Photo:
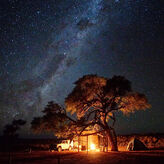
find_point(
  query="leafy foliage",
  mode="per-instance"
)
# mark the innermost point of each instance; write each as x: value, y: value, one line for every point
x: 54, y: 121
x: 133, y: 102
x: 85, y: 93
x: 104, y: 96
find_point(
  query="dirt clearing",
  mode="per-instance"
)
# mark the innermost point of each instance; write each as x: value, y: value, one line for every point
x: 45, y: 157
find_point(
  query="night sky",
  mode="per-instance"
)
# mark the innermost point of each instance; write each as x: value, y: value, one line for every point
x: 46, y: 45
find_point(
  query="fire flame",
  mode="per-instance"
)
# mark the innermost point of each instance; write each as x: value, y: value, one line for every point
x: 93, y: 147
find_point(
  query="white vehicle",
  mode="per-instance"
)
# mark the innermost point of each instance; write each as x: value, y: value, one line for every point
x: 65, y: 145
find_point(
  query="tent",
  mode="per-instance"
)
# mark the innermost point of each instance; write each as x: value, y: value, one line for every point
x: 136, y: 144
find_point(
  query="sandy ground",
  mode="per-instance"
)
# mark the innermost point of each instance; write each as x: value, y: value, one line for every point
x: 45, y: 157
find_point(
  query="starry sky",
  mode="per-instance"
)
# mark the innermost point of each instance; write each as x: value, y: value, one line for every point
x: 46, y: 45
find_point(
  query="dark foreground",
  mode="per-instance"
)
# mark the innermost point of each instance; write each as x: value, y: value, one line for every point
x: 45, y: 157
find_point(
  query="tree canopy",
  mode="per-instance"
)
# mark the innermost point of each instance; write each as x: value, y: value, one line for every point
x: 95, y: 99
x: 55, y: 120
x: 91, y: 93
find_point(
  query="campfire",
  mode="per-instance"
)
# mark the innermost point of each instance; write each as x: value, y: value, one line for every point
x: 93, y: 147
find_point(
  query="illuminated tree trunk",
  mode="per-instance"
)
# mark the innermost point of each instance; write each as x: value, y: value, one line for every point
x: 113, y: 139
x: 87, y: 144
x: 78, y: 142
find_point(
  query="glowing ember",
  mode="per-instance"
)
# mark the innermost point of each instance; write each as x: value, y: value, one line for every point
x: 93, y: 147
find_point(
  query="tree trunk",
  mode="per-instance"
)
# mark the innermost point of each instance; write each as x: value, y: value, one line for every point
x: 113, y: 139
x: 78, y: 142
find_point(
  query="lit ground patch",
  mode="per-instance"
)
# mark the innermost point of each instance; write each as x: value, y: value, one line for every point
x: 43, y: 157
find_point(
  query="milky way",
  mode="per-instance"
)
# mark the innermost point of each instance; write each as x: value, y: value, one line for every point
x: 47, y: 45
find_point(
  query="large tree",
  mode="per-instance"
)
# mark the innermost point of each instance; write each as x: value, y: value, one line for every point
x: 94, y: 100
x: 10, y: 134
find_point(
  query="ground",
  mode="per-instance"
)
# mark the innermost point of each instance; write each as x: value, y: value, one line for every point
x: 45, y: 157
